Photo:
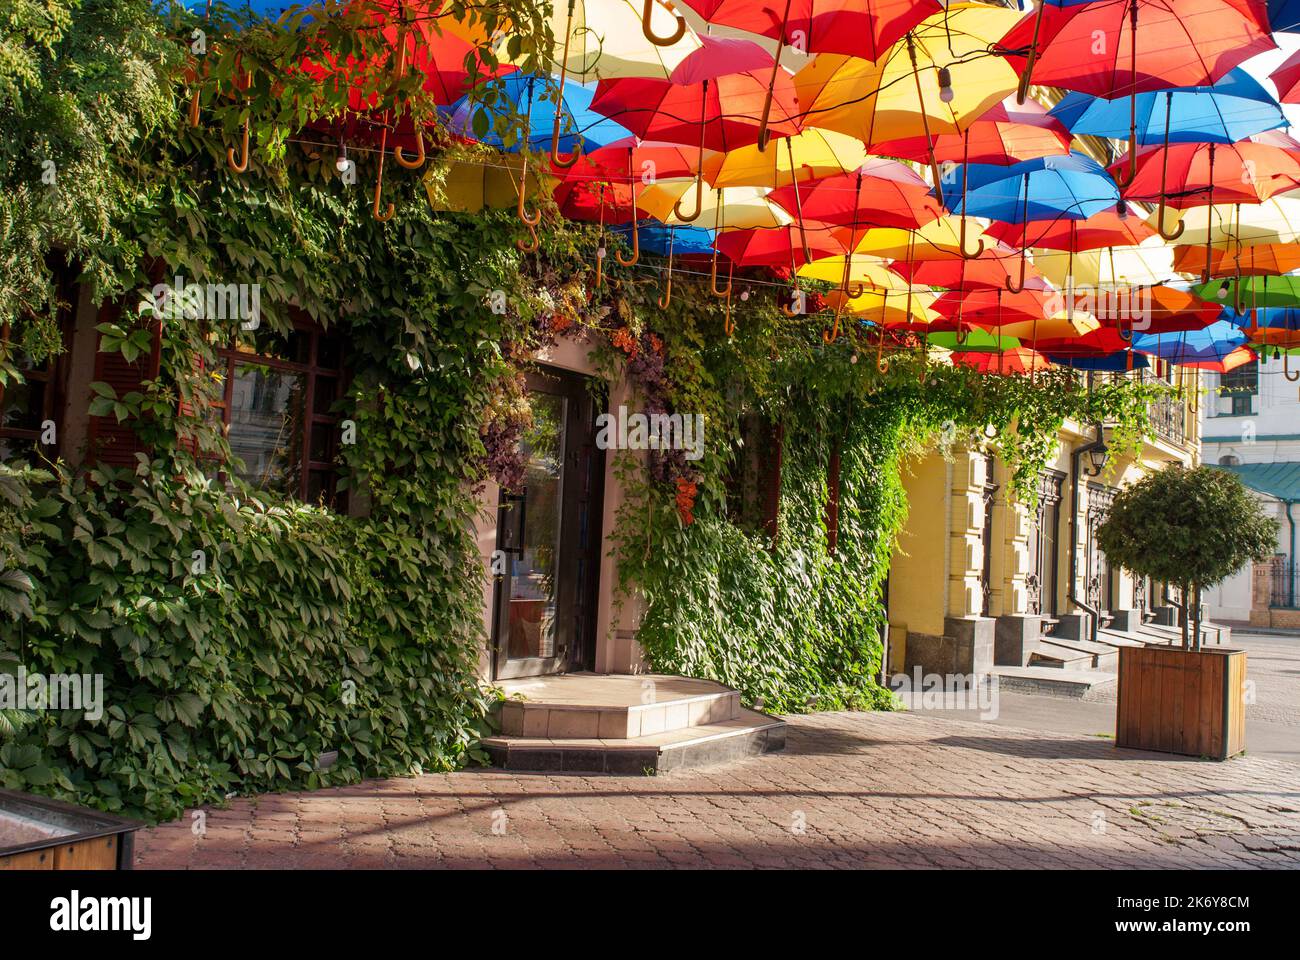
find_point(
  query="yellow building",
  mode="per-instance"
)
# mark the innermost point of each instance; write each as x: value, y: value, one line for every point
x: 981, y: 583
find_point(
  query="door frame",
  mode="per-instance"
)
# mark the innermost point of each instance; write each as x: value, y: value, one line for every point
x: 582, y: 485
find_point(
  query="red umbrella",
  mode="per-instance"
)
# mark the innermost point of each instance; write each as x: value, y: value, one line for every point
x: 1186, y: 175
x: 1287, y: 79
x: 991, y: 308
x: 1115, y: 49
x: 1158, y: 309
x: 1105, y: 229
x: 1100, y: 342
x: 630, y: 160
x: 1003, y: 134
x: 1017, y: 361
x: 1238, y: 358
x: 858, y: 28
x: 882, y: 193
x: 783, y: 246
x: 714, y: 99
x: 706, y: 100
x: 989, y: 270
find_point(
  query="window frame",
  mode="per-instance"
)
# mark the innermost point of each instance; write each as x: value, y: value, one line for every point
x: 231, y: 356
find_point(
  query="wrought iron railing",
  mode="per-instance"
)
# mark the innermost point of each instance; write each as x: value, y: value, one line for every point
x: 1169, y: 419
x: 1284, y: 585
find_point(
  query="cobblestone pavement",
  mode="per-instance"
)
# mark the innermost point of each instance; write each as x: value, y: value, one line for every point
x: 851, y: 790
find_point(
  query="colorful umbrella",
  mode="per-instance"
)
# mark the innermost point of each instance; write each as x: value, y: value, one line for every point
x: 1208, y: 343
x: 881, y: 192
x: 783, y: 246
x: 1287, y: 79
x: 936, y: 80
x: 1261, y: 260
x: 805, y: 156
x: 603, y: 38
x: 1019, y: 361
x: 1225, y: 112
x: 1004, y: 133
x: 1117, y: 362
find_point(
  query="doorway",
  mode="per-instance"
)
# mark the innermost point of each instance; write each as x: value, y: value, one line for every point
x: 549, y: 536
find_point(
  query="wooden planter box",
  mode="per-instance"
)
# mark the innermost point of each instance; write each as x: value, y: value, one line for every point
x: 1177, y: 701
x: 37, y: 833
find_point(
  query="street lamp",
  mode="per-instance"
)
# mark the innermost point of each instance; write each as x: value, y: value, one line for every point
x: 1097, y: 453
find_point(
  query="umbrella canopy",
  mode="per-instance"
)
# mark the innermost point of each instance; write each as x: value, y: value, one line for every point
x: 1209, y: 343
x: 1105, y: 228
x: 873, y: 275
x: 630, y: 160
x: 910, y: 310
x: 1263, y: 259
x: 596, y: 200
x: 1252, y: 291
x: 1059, y: 327
x: 1100, y: 342
x: 1151, y: 262
x: 992, y: 308
x: 470, y: 186
x: 1004, y: 133
x: 532, y: 97
x: 782, y: 246
x: 1019, y: 361
x: 1287, y: 79
x: 1284, y: 15
x: 1178, y: 43
x: 1237, y: 358
x: 856, y: 28
x: 732, y: 208
x: 937, y: 240
x: 991, y: 269
x: 1275, y: 221
x: 680, y: 240
x: 1192, y: 174
x: 1117, y: 362
x: 715, y: 98
x: 898, y: 95
x: 604, y: 38
x: 1156, y: 309
x: 1224, y: 112
x: 1073, y: 186
x: 972, y: 338
x: 805, y: 156
x: 881, y: 192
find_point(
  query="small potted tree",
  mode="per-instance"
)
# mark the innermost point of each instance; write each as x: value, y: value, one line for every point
x: 1191, y: 528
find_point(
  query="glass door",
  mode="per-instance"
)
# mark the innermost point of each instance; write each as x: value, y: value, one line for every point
x: 548, y: 535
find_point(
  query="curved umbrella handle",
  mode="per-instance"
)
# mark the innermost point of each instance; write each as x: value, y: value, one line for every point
x: 966, y: 254
x: 647, y: 28
x: 533, y: 243
x: 241, y: 165
x: 562, y: 162
x: 636, y: 246
x: 667, y: 296
x: 728, y: 324
x: 528, y: 219
x: 1160, y: 222
x: 1286, y: 367
x: 418, y: 161
x: 1013, y: 288
x: 833, y: 334
x: 881, y: 363
x: 713, y: 280
x: 1132, y: 98
x: 699, y: 203
x: 854, y: 290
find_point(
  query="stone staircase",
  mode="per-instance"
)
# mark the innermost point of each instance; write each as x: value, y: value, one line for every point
x: 623, y: 724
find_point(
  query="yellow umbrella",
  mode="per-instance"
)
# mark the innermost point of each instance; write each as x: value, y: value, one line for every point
x: 470, y: 186
x: 733, y: 208
x: 889, y: 307
x: 935, y: 80
x: 871, y: 274
x: 603, y: 39
x: 1152, y: 262
x: 1234, y: 226
x: 805, y: 156
x: 1058, y: 327
x: 937, y: 240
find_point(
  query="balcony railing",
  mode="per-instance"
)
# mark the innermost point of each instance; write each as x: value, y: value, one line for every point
x: 1282, y: 583
x: 1169, y: 419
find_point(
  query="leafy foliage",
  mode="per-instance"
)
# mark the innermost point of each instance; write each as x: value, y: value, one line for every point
x: 1193, y: 527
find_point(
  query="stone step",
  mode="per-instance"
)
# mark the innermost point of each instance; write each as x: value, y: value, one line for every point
x: 1120, y: 638
x: 1053, y: 653
x: 589, y: 706
x: 1075, y: 684
x: 747, y: 735
x: 1100, y: 656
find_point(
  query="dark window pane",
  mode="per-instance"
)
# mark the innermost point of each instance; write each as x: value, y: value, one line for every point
x: 319, y: 484
x: 266, y: 426
x: 23, y: 405
x: 329, y: 353
x: 326, y: 391
x: 322, y: 435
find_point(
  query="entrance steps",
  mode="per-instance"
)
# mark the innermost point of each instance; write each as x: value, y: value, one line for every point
x: 1064, y: 653
x: 1071, y: 682
x: 1154, y: 634
x: 626, y: 724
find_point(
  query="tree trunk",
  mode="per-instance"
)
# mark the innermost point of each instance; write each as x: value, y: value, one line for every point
x: 1196, y: 622
x: 1183, y: 590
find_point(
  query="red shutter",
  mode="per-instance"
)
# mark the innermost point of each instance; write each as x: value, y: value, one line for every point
x: 112, y: 443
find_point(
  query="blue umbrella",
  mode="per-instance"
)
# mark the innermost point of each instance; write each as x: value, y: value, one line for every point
x: 1192, y: 346
x: 1119, y: 361
x: 1232, y: 109
x: 683, y: 240
x: 1045, y: 188
x: 533, y: 96
x: 1072, y: 187
x: 268, y: 9
x: 1284, y: 15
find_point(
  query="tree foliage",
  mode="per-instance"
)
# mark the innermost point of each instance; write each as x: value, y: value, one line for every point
x: 1194, y: 527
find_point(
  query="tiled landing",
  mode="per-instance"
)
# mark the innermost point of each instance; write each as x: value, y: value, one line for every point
x: 631, y: 725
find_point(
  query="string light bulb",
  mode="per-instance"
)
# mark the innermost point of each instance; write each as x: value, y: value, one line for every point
x: 945, y: 85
